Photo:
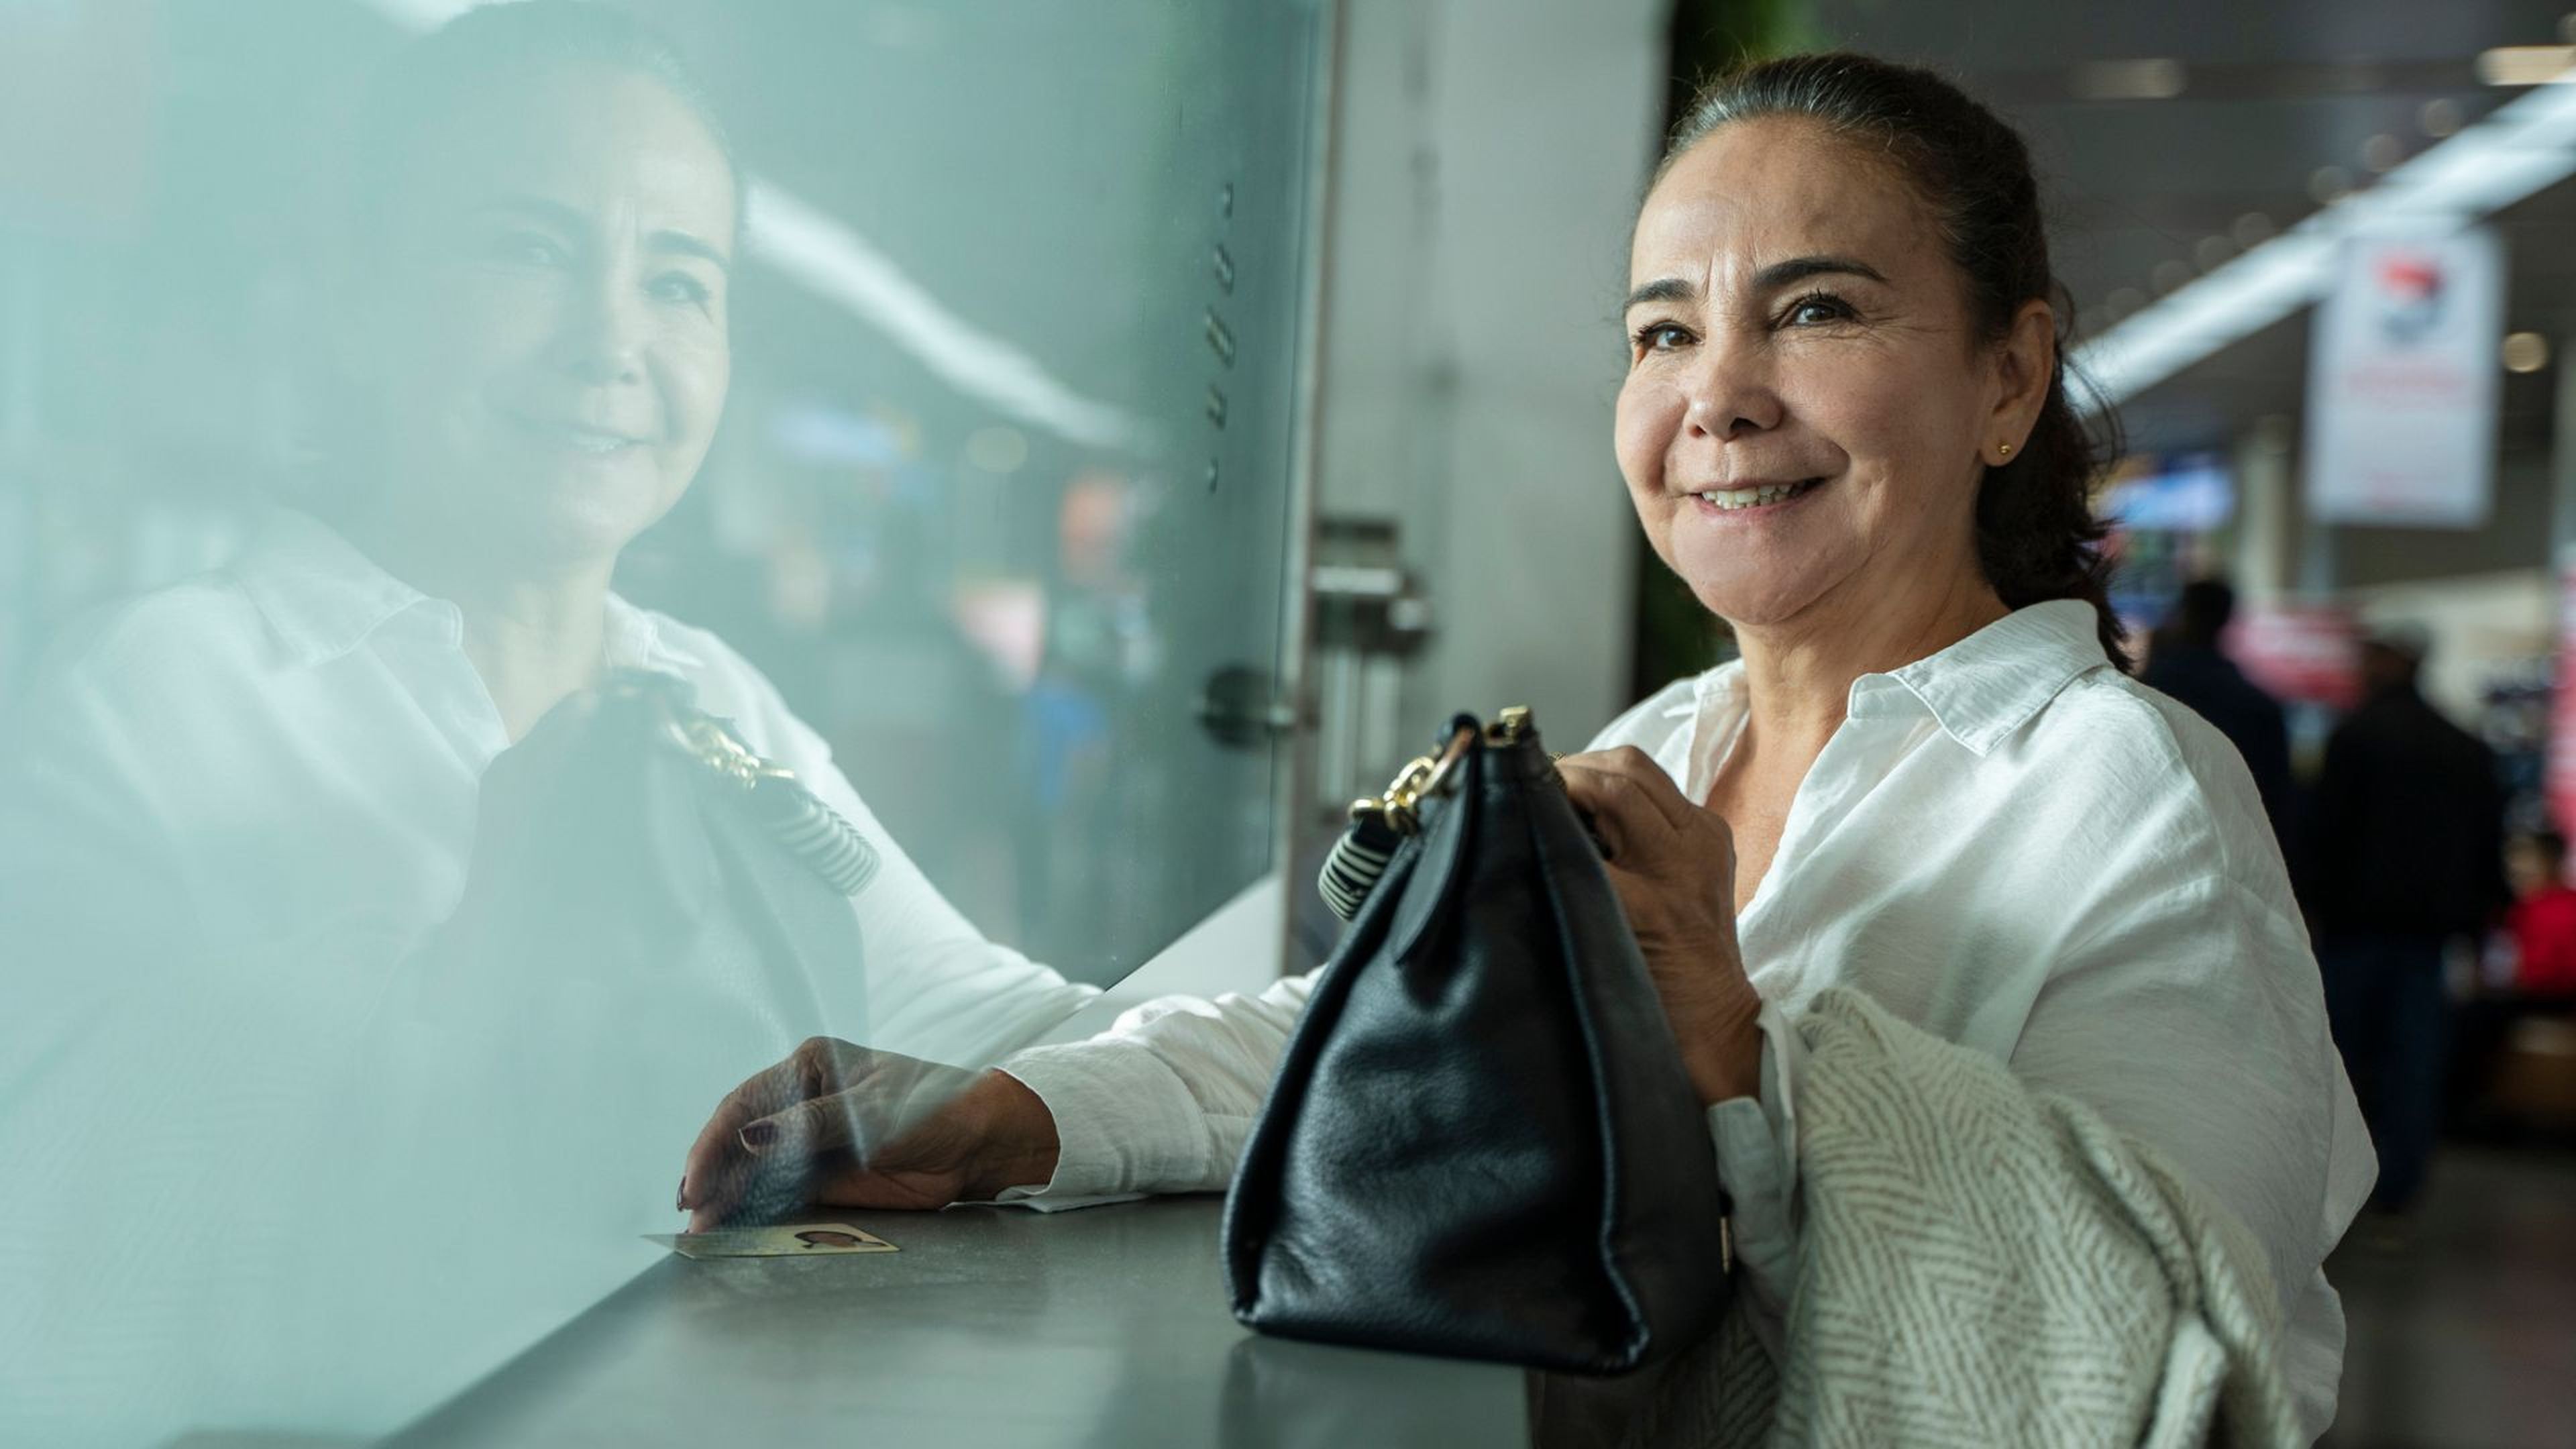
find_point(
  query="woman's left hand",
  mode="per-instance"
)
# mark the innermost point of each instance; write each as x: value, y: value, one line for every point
x: 1673, y: 864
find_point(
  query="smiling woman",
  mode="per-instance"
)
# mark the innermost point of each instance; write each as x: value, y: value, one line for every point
x: 539, y: 332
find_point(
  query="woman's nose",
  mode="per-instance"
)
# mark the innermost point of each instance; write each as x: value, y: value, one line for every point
x: 603, y: 338
x: 1732, y: 395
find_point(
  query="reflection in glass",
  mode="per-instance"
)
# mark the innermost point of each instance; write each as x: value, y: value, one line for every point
x: 390, y: 882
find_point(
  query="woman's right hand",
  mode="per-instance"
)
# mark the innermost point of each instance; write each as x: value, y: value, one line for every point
x: 840, y: 1125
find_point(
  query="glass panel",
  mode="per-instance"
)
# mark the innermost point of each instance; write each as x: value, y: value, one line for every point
x: 385, y: 421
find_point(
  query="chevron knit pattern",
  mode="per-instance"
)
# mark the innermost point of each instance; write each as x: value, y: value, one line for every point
x: 1980, y: 1265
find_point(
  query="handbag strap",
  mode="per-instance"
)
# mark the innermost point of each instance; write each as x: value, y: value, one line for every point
x: 1380, y: 823
x: 810, y: 831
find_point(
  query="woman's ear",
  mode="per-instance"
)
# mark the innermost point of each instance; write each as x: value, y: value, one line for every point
x: 2025, y: 365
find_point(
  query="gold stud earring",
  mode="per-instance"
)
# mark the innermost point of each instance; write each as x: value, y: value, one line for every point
x: 2003, y: 450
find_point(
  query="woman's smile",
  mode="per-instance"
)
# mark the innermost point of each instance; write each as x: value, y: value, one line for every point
x: 582, y: 441
x: 1747, y: 500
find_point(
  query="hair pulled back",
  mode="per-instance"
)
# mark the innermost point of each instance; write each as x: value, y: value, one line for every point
x: 490, y: 50
x: 2037, y: 538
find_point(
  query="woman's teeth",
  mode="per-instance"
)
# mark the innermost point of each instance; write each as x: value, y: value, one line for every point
x: 581, y: 439
x: 587, y: 441
x: 1727, y: 499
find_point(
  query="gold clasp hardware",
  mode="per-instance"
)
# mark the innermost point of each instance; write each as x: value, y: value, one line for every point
x: 718, y: 750
x: 1401, y: 805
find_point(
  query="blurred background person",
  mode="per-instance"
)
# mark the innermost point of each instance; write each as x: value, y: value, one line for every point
x: 2407, y: 854
x: 2186, y: 661
x: 2532, y: 974
x: 2542, y: 921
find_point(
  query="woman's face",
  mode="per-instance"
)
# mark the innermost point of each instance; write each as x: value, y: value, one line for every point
x: 546, y: 335
x: 1807, y: 411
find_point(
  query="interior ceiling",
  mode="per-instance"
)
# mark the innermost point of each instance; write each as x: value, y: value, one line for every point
x: 2273, y: 90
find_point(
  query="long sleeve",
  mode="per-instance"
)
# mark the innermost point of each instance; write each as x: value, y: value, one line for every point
x: 938, y: 988
x: 1978, y: 1261
x: 2193, y: 1024
x: 1757, y: 1160
x: 935, y: 987
x: 1164, y: 1100
x: 2190, y: 1024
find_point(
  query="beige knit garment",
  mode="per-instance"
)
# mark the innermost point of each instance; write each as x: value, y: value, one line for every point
x: 1979, y: 1265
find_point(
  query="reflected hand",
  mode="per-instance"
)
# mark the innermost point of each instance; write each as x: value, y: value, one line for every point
x: 1673, y: 865
x: 839, y: 1125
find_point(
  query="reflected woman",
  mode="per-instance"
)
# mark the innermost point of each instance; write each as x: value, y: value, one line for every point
x: 240, y: 806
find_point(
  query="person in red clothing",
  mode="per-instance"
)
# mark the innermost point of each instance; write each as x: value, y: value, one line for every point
x: 2542, y: 921
x: 2540, y: 929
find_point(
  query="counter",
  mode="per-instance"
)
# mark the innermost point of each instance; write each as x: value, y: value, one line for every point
x: 1105, y: 1327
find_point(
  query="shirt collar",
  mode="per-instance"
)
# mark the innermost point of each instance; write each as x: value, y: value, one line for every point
x: 1989, y: 684
x: 1978, y: 690
x: 637, y: 640
x: 319, y: 594
x: 323, y: 597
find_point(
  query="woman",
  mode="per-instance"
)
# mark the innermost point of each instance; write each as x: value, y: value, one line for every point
x: 239, y: 811
x: 1845, y: 423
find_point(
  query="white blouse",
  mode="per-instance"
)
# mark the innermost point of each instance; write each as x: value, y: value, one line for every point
x: 280, y: 761
x: 2009, y: 844
x: 274, y: 1168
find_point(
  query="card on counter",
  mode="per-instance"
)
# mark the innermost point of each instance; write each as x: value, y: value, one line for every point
x: 783, y: 1240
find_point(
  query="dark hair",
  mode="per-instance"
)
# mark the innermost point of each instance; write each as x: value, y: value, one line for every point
x: 2202, y: 609
x: 2551, y: 844
x: 2037, y: 537
x: 432, y: 79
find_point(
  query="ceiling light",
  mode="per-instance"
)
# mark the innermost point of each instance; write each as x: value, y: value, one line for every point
x: 2127, y: 80
x: 827, y: 256
x: 2525, y: 352
x: 2328, y: 184
x: 2212, y: 252
x: 2525, y: 65
x: 2383, y: 152
x: 2252, y: 229
x: 2523, y: 147
x: 2169, y: 276
x: 2440, y: 117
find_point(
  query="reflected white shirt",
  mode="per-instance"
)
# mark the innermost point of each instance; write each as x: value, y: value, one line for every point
x: 256, y: 1183
x: 288, y: 750
x: 2009, y: 844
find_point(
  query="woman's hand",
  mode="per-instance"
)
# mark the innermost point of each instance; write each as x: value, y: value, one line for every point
x: 1673, y: 864
x: 838, y: 1125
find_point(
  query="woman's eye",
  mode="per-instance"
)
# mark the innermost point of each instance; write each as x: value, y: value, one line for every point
x: 681, y: 288
x: 529, y: 248
x: 1817, y: 310
x: 1661, y: 337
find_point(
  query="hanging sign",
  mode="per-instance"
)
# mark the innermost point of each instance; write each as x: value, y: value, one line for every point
x: 2402, y: 377
x: 2559, y: 765
x: 2308, y: 652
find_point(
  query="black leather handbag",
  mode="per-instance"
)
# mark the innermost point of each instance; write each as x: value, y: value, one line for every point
x: 1481, y: 1141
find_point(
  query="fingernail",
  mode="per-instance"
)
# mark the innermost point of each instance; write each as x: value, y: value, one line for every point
x: 680, y: 1200
x: 758, y: 1135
